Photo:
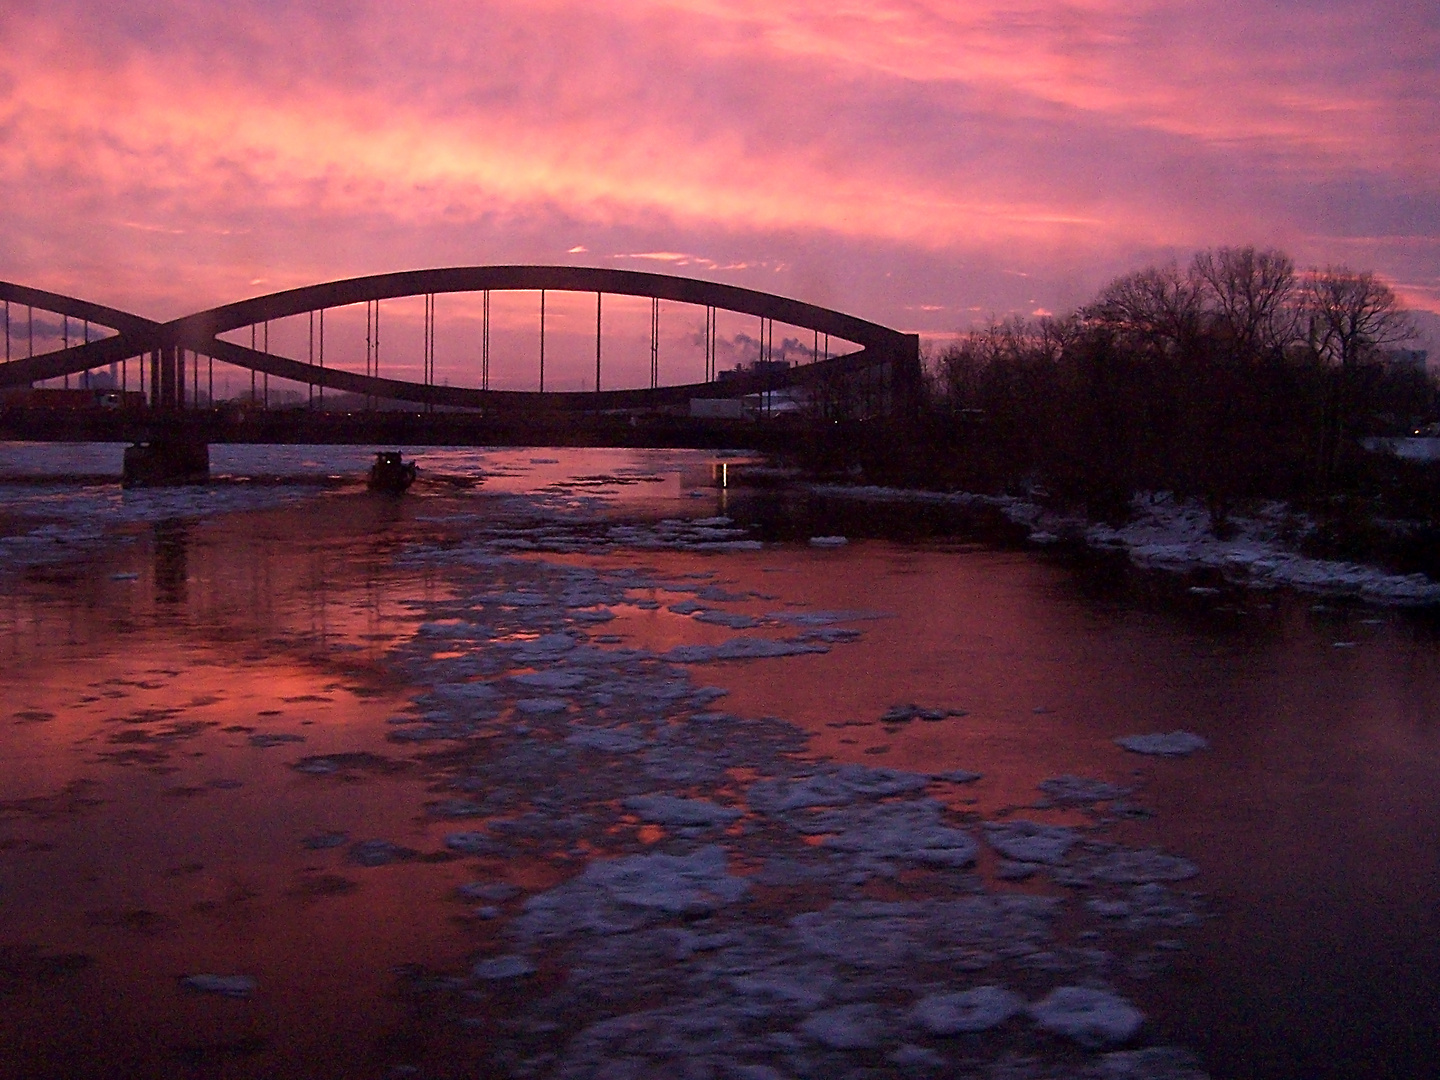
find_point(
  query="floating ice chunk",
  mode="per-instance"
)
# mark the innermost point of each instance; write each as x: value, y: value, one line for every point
x: 835, y: 787
x: 324, y: 841
x: 878, y: 783
x: 235, y: 986
x: 803, y: 987
x: 1151, y: 1063
x: 959, y: 776
x: 606, y: 739
x: 523, y: 599
x: 544, y: 461
x: 974, y: 1010
x: 712, y: 718
x: 376, y: 853
x: 1142, y: 865
x: 846, y: 1027
x: 1147, y: 905
x: 621, y: 895
x: 454, y: 808
x: 454, y: 629
x: 903, y: 714
x: 825, y: 618
x: 471, y: 843
x: 1173, y: 744
x: 674, y: 884
x: 680, y: 813
x: 1077, y: 790
x: 125, y: 576
x: 741, y: 648
x: 551, y: 680
x: 265, y: 739
x: 828, y: 541
x: 545, y: 647
x: 734, y: 620
x: 541, y: 706
x: 1029, y: 841
x: 1090, y: 1017
x: 465, y: 692
x: 510, y: 966
x: 912, y: 831
x: 724, y: 545
x: 687, y: 607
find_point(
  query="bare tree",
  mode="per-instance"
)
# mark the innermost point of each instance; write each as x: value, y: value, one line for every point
x: 1159, y: 306
x: 1249, y: 296
x: 1350, y: 316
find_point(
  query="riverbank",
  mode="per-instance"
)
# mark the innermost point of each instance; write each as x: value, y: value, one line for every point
x: 1259, y: 552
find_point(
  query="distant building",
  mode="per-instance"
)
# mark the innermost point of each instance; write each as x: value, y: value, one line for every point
x: 755, y: 367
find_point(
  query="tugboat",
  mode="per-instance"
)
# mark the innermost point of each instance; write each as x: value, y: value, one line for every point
x: 391, y: 475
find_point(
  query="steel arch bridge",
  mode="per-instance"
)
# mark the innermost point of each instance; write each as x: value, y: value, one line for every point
x: 887, y: 361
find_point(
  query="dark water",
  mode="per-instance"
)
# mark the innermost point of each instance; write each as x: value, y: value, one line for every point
x: 145, y: 833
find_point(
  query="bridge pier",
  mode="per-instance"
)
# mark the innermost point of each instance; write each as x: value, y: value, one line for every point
x: 168, y: 458
x: 172, y: 454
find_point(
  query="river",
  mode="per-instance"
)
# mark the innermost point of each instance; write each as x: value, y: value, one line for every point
x: 571, y: 763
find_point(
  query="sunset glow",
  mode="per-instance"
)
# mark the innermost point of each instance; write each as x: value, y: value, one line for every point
x: 918, y: 163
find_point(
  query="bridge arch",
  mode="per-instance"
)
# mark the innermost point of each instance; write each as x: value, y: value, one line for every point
x: 135, y: 335
x: 882, y: 349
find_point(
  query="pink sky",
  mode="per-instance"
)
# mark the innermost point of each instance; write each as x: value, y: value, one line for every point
x: 918, y: 163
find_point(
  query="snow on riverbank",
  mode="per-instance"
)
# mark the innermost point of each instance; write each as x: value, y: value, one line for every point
x: 1170, y: 534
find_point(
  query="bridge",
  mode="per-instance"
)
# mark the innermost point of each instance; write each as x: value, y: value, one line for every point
x: 886, y: 358
x: 864, y: 369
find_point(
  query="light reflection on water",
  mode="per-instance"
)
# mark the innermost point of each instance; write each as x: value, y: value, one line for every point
x: 126, y: 834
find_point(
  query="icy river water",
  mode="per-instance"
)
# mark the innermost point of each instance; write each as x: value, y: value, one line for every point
x: 572, y: 764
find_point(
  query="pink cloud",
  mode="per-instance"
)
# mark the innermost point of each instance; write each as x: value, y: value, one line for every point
x: 172, y: 154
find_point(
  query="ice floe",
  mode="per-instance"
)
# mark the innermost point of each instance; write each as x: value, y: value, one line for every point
x: 1078, y: 791
x: 1089, y: 1016
x: 511, y: 966
x: 613, y: 895
x: 741, y: 648
x: 680, y: 813
x: 861, y: 1026
x: 1029, y: 841
x: 966, y: 1011
x: 664, y: 949
x: 905, y: 831
x: 1164, y: 744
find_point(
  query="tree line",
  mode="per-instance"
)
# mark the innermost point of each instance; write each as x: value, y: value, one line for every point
x: 1234, y: 377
